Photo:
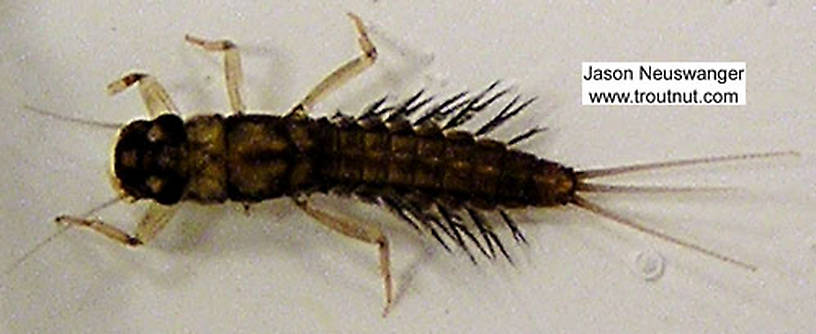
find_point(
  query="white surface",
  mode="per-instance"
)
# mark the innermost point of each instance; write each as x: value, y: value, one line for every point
x: 215, y: 270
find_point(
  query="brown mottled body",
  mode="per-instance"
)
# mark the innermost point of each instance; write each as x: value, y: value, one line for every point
x: 251, y: 158
x: 409, y: 157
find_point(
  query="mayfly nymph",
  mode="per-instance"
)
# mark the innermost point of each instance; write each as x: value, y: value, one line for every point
x: 409, y: 157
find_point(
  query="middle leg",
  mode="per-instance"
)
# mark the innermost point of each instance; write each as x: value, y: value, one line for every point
x: 233, y: 74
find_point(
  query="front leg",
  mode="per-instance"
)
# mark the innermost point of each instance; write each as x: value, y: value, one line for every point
x: 154, y: 220
x: 155, y: 97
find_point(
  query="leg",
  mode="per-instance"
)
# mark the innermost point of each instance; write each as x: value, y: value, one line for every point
x: 153, y: 94
x: 232, y: 67
x: 153, y: 221
x: 344, y: 73
x: 365, y: 233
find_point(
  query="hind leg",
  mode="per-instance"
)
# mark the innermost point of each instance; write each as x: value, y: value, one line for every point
x: 363, y: 232
x: 342, y: 74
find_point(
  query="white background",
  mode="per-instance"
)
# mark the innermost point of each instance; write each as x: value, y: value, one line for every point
x: 216, y: 270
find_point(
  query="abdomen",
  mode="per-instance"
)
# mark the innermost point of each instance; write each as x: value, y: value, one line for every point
x: 396, y: 157
x: 266, y: 157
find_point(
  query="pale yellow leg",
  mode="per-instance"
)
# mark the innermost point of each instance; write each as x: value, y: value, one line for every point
x: 154, y: 220
x: 363, y: 232
x: 342, y: 74
x: 155, y: 98
x: 233, y: 74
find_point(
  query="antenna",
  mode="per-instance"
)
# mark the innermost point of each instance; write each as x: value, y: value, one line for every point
x: 73, y: 119
x: 56, y: 234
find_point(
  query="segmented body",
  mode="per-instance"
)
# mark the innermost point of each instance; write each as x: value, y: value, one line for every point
x: 409, y: 157
x: 379, y: 156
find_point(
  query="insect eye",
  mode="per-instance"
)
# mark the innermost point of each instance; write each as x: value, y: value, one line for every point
x: 166, y: 128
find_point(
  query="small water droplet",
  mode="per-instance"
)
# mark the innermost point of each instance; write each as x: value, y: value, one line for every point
x: 650, y: 265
